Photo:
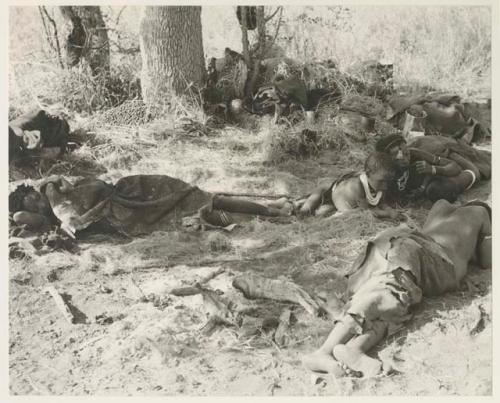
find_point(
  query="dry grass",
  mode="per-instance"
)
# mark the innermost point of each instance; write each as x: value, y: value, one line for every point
x: 162, y: 346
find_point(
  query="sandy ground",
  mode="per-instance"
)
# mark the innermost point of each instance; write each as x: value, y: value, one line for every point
x: 135, y: 339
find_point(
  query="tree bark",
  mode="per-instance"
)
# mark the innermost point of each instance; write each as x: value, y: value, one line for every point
x: 88, y: 37
x: 172, y: 52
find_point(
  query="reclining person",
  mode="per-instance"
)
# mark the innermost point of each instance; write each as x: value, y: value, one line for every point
x: 420, y: 173
x: 37, y: 133
x: 445, y: 114
x: 397, y: 269
x: 358, y: 189
x: 137, y: 204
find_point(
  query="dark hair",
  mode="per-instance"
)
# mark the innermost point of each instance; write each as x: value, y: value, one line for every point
x: 16, y: 198
x: 378, y: 160
x: 442, y: 188
x: 387, y: 142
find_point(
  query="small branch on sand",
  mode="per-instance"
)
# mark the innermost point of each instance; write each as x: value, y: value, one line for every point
x: 60, y: 303
x: 196, y: 289
x: 253, y: 286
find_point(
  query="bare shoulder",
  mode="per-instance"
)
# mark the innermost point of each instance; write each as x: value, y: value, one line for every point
x: 473, y: 213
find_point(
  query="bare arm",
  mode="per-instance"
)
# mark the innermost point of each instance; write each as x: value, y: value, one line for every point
x: 443, y: 166
x: 381, y: 210
x: 484, y: 245
x: 465, y: 163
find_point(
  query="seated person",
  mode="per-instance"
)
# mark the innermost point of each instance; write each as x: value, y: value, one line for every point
x: 37, y: 134
x: 358, y: 189
x: 396, y: 270
x: 137, y: 204
x: 420, y: 173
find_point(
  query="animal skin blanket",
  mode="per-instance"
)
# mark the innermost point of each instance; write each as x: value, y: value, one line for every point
x: 446, y: 115
x: 135, y: 205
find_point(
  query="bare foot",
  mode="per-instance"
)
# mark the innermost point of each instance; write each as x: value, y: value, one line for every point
x: 322, y: 362
x: 357, y: 360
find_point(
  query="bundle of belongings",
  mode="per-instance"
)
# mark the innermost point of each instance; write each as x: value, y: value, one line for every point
x: 443, y: 114
x: 280, y: 94
x: 35, y: 137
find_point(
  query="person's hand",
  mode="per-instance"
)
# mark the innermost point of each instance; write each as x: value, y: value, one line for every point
x: 395, y: 214
x: 423, y: 167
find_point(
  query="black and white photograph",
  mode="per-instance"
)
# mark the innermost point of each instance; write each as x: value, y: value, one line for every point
x: 249, y: 200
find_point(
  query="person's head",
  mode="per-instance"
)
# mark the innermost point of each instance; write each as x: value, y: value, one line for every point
x: 380, y: 170
x: 394, y: 145
x: 31, y: 139
x: 26, y: 198
x: 442, y: 188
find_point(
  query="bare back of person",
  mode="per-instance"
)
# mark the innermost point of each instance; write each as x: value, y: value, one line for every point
x: 457, y: 229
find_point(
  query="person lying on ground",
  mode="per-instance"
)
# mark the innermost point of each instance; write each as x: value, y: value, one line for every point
x: 37, y: 134
x: 137, y: 204
x: 447, y: 147
x: 445, y: 114
x: 395, y: 271
x: 420, y: 173
x: 354, y: 190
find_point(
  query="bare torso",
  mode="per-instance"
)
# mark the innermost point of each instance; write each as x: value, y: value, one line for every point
x: 457, y: 230
x: 347, y: 194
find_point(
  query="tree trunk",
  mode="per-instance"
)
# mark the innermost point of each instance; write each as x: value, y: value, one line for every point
x: 88, y: 37
x: 172, y: 52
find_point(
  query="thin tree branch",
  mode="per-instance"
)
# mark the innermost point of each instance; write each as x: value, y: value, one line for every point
x: 278, y: 25
x: 117, y: 20
x: 244, y: 35
x: 56, y: 37
x: 47, y: 33
x: 273, y: 14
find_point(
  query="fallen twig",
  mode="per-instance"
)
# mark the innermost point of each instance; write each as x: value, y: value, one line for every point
x: 195, y: 289
x: 254, y: 286
x: 60, y: 303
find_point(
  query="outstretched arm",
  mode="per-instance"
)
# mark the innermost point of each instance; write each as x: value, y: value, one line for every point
x: 381, y: 210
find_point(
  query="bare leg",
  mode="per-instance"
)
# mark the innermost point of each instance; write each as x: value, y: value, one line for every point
x: 353, y: 354
x: 237, y: 205
x: 322, y: 359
